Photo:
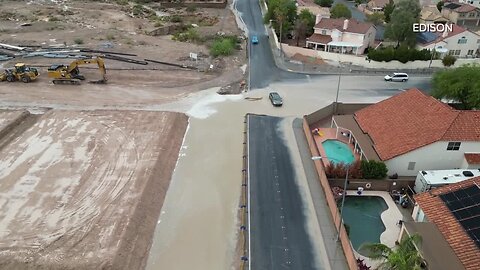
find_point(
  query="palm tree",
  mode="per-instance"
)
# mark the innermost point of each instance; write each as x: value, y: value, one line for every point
x: 404, y: 256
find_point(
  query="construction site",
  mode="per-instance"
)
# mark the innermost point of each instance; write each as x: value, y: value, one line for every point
x: 146, y: 48
x: 85, y: 163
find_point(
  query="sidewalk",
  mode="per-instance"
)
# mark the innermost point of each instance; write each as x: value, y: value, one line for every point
x: 334, y: 250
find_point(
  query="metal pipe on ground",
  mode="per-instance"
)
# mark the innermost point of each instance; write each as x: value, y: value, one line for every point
x: 124, y: 59
x: 170, y: 64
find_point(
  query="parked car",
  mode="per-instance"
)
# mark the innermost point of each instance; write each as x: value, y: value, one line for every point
x: 254, y: 40
x: 275, y: 99
x: 397, y: 77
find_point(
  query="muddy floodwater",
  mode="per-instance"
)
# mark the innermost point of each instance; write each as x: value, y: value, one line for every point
x: 198, y: 225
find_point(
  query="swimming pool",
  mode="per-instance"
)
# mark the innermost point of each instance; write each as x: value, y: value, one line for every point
x: 362, y: 215
x: 338, y: 152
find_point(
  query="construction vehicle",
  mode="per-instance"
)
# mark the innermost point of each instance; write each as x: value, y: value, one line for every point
x: 70, y: 74
x: 21, y: 72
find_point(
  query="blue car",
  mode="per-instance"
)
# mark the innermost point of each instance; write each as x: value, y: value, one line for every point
x: 254, y: 40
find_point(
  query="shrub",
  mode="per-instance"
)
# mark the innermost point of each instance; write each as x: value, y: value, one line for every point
x: 122, y: 2
x: 449, y: 60
x: 191, y: 9
x: 402, y: 54
x: 324, y: 3
x: 78, y: 41
x: 110, y: 36
x: 373, y: 169
x: 176, y: 19
x: 339, y: 170
x: 223, y: 46
x: 189, y: 35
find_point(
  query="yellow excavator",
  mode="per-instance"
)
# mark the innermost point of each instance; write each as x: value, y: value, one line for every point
x: 62, y: 74
x: 21, y: 72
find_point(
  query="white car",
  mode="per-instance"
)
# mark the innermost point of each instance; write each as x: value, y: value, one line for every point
x: 397, y: 77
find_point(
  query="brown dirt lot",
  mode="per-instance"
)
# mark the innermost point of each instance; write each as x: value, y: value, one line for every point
x: 98, y: 24
x: 83, y: 189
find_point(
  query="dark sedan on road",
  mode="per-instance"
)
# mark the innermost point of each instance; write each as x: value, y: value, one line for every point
x: 275, y: 99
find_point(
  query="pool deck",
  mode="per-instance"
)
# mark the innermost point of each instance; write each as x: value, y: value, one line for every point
x: 390, y: 218
x: 330, y: 134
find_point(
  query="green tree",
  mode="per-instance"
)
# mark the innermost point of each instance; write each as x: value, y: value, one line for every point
x: 405, y: 14
x: 375, y: 18
x: 281, y: 13
x: 388, y: 9
x: 402, y: 257
x: 304, y: 25
x: 324, y: 3
x: 440, y: 5
x: 460, y: 84
x: 340, y: 11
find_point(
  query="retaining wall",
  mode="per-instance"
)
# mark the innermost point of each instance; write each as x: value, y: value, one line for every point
x: 383, y: 185
x: 361, y: 60
x: 198, y: 4
x: 327, y: 111
x: 345, y: 241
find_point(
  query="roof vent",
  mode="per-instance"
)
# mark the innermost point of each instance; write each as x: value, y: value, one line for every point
x: 467, y: 173
x: 445, y: 178
x: 424, y: 173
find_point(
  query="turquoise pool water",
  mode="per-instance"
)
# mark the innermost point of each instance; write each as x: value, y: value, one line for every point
x: 362, y: 215
x: 338, y: 152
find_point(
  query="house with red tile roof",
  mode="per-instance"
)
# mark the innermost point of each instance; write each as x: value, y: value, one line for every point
x: 412, y: 132
x: 448, y: 220
x: 460, y: 42
x: 341, y: 35
x: 464, y: 15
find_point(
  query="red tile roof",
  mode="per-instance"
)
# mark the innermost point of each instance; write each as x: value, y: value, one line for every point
x: 465, y: 8
x: 437, y: 213
x: 472, y: 158
x: 411, y: 120
x: 318, y: 38
x: 354, y: 26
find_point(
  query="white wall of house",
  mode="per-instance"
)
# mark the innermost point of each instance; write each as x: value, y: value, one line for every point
x: 367, y: 39
x: 418, y: 215
x: 469, y: 166
x: 431, y: 157
x: 475, y: 3
x: 468, y: 46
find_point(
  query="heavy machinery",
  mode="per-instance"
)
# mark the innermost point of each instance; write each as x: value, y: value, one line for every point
x: 70, y: 74
x: 21, y: 72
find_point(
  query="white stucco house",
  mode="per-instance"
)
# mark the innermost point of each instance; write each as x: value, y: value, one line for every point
x: 460, y: 42
x: 475, y: 3
x: 341, y: 36
x: 412, y: 131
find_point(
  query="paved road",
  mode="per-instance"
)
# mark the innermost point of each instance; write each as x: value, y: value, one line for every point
x: 263, y: 69
x: 279, y: 238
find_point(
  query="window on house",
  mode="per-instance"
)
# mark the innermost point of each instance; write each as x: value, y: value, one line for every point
x: 470, y: 52
x: 463, y: 40
x: 451, y: 52
x: 472, y: 14
x: 478, y: 41
x: 324, y: 32
x: 457, y: 52
x: 411, y: 166
x: 453, y: 146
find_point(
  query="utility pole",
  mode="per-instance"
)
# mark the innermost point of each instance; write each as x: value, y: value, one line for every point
x: 433, y: 53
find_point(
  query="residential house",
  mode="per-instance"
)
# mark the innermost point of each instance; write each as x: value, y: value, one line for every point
x: 411, y: 132
x: 460, y: 42
x: 462, y: 14
x: 431, y: 15
x: 377, y: 5
x: 475, y: 3
x: 448, y: 221
x: 341, y: 35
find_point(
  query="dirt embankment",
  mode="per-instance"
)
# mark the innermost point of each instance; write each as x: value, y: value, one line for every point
x: 83, y: 189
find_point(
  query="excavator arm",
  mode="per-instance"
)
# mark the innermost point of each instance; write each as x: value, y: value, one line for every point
x: 71, y: 75
x: 73, y: 67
